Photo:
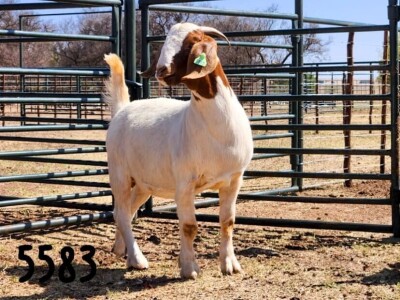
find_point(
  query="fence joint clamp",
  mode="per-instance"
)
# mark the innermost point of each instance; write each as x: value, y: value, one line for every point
x: 393, y: 12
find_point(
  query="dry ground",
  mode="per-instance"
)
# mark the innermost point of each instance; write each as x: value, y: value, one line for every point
x: 278, y: 263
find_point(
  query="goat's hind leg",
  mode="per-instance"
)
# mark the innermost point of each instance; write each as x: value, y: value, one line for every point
x: 127, y: 202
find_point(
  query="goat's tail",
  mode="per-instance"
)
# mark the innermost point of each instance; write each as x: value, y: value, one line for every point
x: 116, y: 92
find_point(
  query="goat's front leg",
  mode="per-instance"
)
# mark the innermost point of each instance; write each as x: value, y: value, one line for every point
x: 228, y: 262
x: 187, y: 231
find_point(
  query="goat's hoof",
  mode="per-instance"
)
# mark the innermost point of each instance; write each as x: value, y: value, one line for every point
x: 190, y: 271
x: 138, y: 263
x: 119, y: 249
x: 230, y: 265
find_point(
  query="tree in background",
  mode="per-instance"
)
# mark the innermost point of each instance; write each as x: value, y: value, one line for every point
x: 84, y: 53
x: 35, y: 53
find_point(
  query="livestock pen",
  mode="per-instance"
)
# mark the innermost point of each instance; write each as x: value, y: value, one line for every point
x: 293, y: 151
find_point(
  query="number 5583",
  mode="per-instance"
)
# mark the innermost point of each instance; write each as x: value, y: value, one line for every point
x: 66, y: 272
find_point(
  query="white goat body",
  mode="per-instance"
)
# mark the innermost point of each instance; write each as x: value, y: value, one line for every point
x: 162, y: 141
x: 176, y: 149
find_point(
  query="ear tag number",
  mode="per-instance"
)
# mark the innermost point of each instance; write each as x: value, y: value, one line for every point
x: 201, y: 60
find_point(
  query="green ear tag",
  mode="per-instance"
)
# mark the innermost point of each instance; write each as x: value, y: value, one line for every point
x: 201, y: 60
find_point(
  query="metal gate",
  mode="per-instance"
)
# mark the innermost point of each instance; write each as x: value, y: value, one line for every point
x: 61, y: 101
x: 278, y: 100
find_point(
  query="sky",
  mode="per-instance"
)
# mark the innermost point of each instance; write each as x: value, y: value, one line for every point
x: 367, y: 46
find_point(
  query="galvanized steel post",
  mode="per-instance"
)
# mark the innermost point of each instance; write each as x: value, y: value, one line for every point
x: 130, y: 46
x: 145, y: 63
x: 393, y: 14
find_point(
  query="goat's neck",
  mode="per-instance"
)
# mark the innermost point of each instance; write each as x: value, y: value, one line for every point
x: 206, y: 88
x: 214, y: 104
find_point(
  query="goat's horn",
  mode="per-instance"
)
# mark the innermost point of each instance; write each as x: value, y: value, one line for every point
x: 214, y: 32
x: 151, y: 71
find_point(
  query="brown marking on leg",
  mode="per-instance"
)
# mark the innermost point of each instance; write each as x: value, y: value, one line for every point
x: 189, y: 230
x: 132, y: 182
x: 227, y: 227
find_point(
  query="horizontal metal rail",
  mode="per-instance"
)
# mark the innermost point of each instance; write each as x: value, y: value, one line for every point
x: 299, y: 199
x: 90, y: 183
x: 63, y: 221
x: 308, y: 224
x: 56, y: 36
x: 271, y: 76
x: 151, y: 2
x: 59, y: 4
x: 304, y: 31
x: 55, y: 71
x: 80, y: 205
x: 52, y: 152
x: 271, y: 117
x: 271, y: 136
x: 361, y: 127
x: 92, y: 2
x: 29, y: 177
x: 53, y: 120
x: 50, y: 95
x: 314, y: 97
x: 59, y: 161
x: 318, y: 175
x: 53, y: 198
x: 264, y: 156
x: 49, y: 99
x: 308, y: 69
x: 53, y: 127
x: 324, y: 151
x: 51, y: 140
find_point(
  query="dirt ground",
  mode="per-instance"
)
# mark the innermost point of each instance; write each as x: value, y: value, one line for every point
x: 278, y: 263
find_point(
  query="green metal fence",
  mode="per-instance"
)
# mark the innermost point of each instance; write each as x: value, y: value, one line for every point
x: 294, y: 128
x: 280, y: 120
x: 71, y: 178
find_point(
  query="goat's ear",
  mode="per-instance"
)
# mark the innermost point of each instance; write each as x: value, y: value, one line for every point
x: 194, y: 69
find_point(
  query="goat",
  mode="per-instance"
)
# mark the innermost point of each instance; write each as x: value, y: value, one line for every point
x: 177, y: 149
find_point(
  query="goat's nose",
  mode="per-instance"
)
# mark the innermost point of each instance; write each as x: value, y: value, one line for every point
x: 162, y: 72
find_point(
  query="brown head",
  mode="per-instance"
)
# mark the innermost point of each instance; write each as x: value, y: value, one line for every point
x: 189, y: 53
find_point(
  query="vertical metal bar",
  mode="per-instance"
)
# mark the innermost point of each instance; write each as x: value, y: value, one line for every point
x: 144, y: 65
x: 393, y: 13
x: 300, y: 50
x: 317, y: 101
x: 384, y: 76
x: 116, y: 29
x: 21, y: 49
x: 130, y: 45
x: 145, y: 49
x: 78, y: 106
x: 21, y: 78
x: 295, y: 106
x: 292, y: 104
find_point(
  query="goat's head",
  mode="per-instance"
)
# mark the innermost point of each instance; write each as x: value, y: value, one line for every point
x: 185, y: 43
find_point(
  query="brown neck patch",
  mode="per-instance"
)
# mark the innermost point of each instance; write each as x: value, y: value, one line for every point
x: 206, y: 87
